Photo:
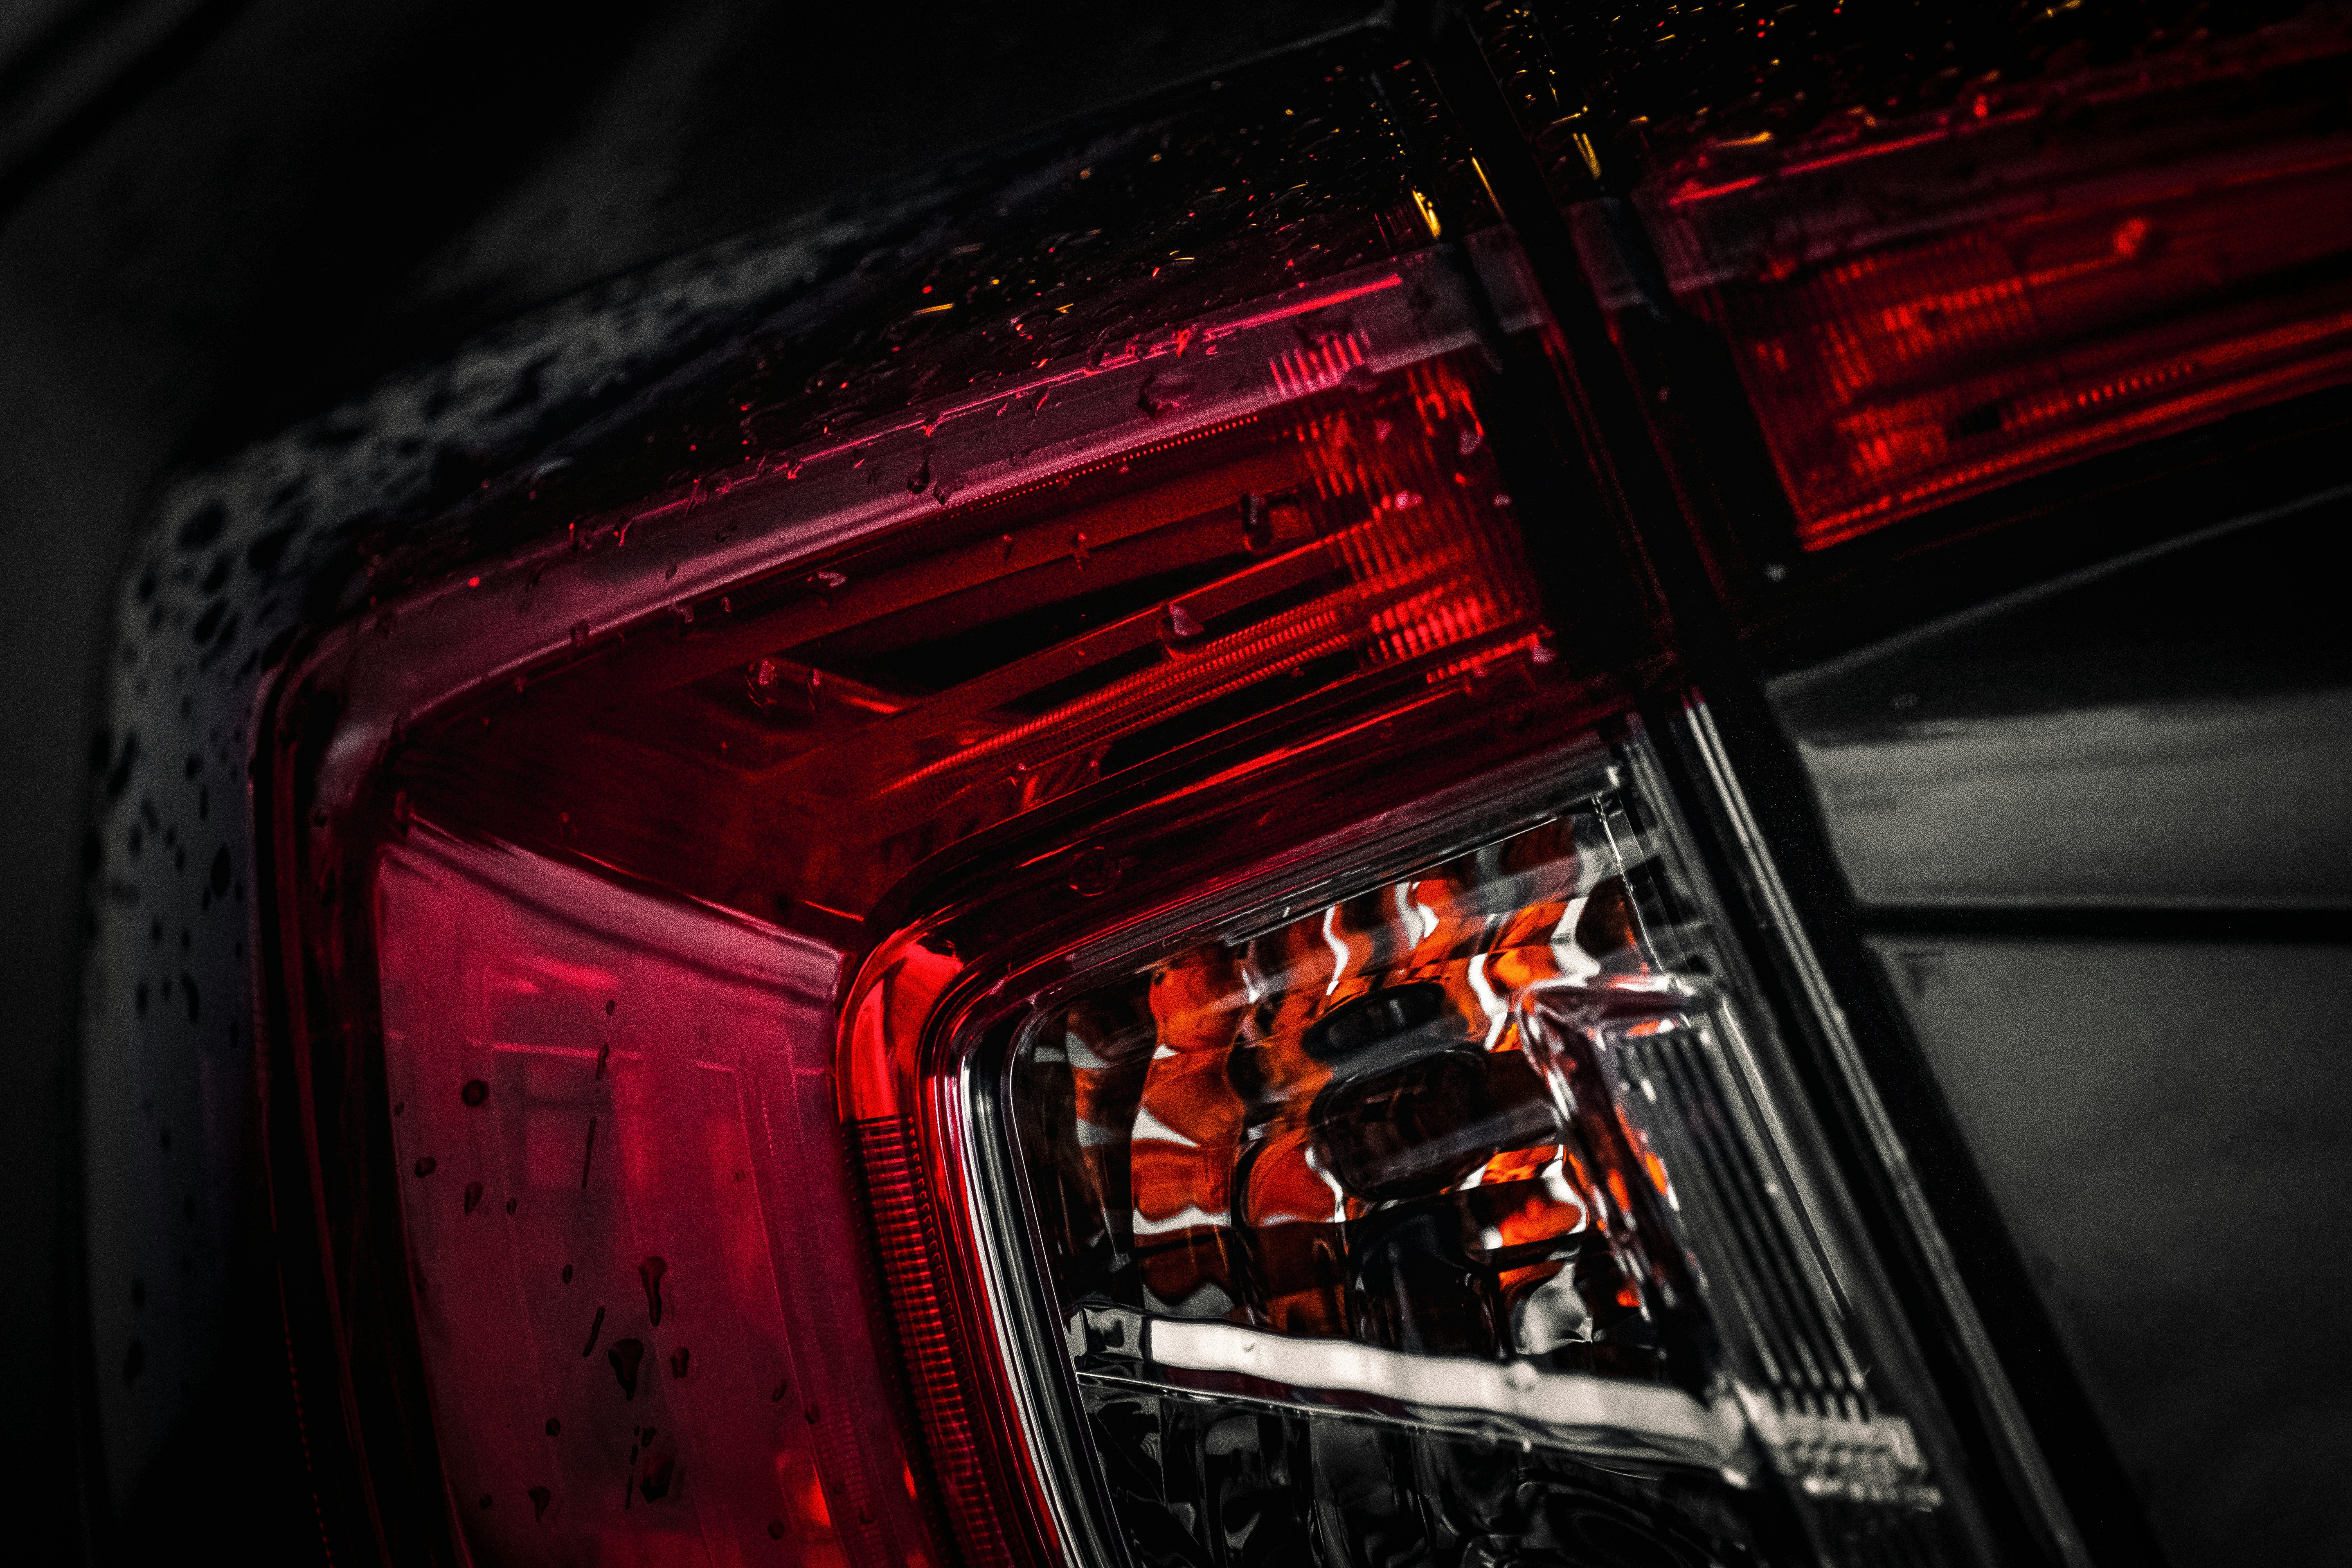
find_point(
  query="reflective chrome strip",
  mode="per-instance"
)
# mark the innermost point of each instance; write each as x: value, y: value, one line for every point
x: 1606, y: 1411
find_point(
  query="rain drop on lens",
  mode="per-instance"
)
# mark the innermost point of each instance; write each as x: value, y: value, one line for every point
x: 1179, y: 632
x: 1257, y: 524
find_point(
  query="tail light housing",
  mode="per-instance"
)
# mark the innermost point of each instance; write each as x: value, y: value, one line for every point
x: 1092, y: 966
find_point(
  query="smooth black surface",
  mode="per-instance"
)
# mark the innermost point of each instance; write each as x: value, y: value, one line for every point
x: 2099, y: 836
x: 2166, y: 732
x: 2162, y: 1125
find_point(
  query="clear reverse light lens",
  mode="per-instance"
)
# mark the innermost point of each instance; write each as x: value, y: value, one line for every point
x: 1448, y: 1215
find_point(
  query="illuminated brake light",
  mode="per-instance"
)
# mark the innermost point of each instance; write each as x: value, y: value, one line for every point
x: 1923, y: 311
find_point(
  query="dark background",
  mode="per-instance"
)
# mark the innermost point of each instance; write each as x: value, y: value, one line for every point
x: 219, y: 215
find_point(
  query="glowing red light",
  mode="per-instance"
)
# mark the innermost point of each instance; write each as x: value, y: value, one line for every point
x: 1923, y: 314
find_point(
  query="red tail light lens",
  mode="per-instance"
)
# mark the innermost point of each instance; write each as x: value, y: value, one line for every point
x: 1924, y: 310
x: 641, y: 1291
x: 687, y: 1250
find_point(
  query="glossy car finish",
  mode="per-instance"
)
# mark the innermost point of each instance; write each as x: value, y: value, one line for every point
x: 1895, y: 698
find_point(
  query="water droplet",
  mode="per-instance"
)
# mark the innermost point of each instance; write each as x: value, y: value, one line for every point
x: 426, y: 1166
x: 777, y: 1395
x: 1472, y: 438
x: 920, y: 479
x: 1078, y: 548
x: 473, y: 1196
x: 594, y: 1330
x: 1257, y: 524
x: 650, y: 1275
x: 775, y: 1529
x: 626, y: 1356
x: 475, y: 1092
x: 1406, y: 501
x: 655, y: 1482
x: 1361, y: 378
x: 567, y: 1273
x: 579, y: 634
x: 486, y: 1500
x: 678, y: 1360
x: 539, y: 1498
x: 609, y: 1006
x: 554, y: 1426
x: 510, y: 1206
x: 1163, y: 394
x: 1179, y: 632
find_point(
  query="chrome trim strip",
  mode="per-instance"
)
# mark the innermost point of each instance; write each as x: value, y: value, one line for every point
x: 1573, y: 1410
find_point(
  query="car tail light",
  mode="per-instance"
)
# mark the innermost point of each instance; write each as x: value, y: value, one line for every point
x: 1927, y: 307
x: 574, y: 929
x: 1099, y: 960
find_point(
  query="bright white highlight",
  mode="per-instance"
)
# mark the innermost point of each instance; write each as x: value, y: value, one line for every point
x: 1566, y: 1403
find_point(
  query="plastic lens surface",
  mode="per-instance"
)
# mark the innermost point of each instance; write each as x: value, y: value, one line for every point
x: 1254, y: 528
x: 1469, y: 1155
x: 639, y: 1279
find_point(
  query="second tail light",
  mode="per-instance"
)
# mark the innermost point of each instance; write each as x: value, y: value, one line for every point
x: 1927, y: 309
